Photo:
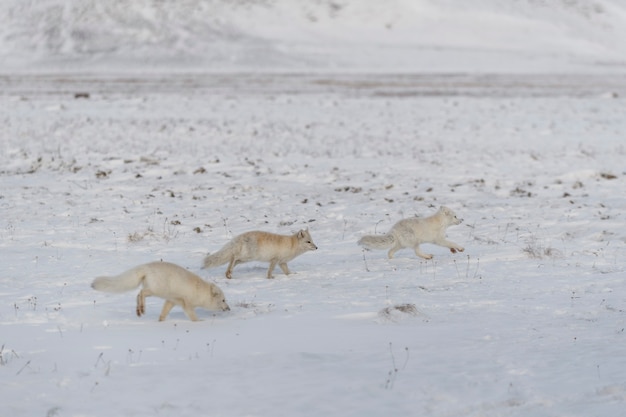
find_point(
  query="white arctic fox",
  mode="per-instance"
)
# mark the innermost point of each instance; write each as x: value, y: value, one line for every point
x: 175, y: 284
x: 410, y: 233
x: 261, y: 246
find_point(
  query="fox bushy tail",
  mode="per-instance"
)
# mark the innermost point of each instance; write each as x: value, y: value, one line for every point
x: 218, y: 258
x: 377, y: 242
x: 126, y: 281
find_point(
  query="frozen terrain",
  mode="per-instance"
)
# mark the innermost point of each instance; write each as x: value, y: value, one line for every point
x: 529, y: 320
x: 147, y: 130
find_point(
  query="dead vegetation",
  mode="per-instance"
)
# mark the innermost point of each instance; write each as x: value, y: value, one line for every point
x: 535, y: 250
x: 393, y: 312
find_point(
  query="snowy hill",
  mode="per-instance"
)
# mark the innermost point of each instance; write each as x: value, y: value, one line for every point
x: 325, y: 35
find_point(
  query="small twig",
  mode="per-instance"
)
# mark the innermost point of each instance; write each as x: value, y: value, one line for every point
x: 365, y: 261
x: 391, y: 376
x: 393, y: 373
x: 23, y: 367
x: 98, y: 360
x: 393, y: 358
x: 213, y: 346
x: 376, y: 225
x: 477, y: 265
x: 406, y: 361
x: 78, y: 184
x: 224, y: 220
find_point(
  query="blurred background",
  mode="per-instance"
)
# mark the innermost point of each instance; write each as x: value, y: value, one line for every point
x: 535, y: 36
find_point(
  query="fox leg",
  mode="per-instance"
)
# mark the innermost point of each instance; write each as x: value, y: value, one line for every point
x: 189, y: 311
x: 229, y: 270
x: 231, y: 265
x: 285, y: 268
x: 167, y: 307
x: 270, y: 271
x: 421, y: 254
x: 451, y: 245
x: 141, y: 301
x: 395, y: 248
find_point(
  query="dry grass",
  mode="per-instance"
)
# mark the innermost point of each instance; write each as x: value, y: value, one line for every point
x: 390, y: 312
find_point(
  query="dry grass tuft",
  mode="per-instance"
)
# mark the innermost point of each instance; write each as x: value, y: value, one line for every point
x: 391, y: 312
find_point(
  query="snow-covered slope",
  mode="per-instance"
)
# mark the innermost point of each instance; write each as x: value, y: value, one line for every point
x: 394, y: 35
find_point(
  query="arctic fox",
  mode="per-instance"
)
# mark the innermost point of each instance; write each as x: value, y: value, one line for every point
x: 410, y: 233
x: 175, y: 284
x: 264, y: 247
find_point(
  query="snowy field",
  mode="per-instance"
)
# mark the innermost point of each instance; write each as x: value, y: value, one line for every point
x: 99, y: 174
x: 141, y: 131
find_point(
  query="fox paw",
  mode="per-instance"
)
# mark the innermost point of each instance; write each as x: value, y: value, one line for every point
x: 455, y: 250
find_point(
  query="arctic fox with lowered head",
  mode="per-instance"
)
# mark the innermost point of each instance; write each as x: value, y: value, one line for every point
x: 175, y: 284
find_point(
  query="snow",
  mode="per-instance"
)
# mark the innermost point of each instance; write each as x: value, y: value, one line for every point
x: 152, y: 137
x: 528, y: 320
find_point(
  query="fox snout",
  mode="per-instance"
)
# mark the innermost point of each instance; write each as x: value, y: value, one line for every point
x: 305, y: 241
x: 226, y: 308
x: 309, y: 245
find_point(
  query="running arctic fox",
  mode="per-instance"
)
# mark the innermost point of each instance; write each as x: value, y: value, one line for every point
x: 264, y: 247
x: 175, y: 284
x: 410, y: 233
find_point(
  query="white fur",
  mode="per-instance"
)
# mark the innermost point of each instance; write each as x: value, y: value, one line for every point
x: 175, y: 284
x: 261, y: 246
x: 410, y: 233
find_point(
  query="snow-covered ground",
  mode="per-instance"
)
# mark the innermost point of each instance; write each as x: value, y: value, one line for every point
x: 139, y: 131
x: 529, y: 320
